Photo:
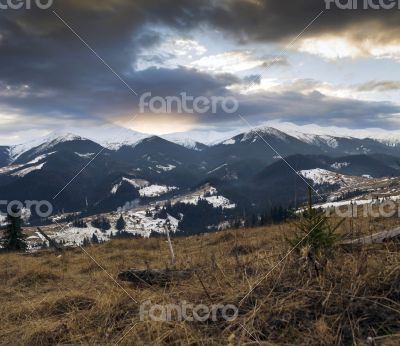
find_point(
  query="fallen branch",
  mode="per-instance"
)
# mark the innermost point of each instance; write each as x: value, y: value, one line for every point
x: 377, y: 238
x: 154, y: 276
x: 51, y: 241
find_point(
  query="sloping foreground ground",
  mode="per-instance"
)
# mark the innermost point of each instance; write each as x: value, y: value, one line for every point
x: 47, y: 299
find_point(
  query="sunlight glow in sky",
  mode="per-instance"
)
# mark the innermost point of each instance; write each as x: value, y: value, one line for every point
x: 343, y: 70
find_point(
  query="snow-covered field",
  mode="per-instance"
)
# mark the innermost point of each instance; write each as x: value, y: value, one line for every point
x: 211, y: 196
x: 86, y: 155
x: 137, y: 223
x: 144, y: 187
x: 321, y: 176
x: 167, y: 168
x: 156, y: 190
x: 356, y: 190
x: 136, y: 183
x: 140, y: 220
x: 340, y: 165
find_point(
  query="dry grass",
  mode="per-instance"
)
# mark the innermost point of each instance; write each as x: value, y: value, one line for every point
x: 47, y: 300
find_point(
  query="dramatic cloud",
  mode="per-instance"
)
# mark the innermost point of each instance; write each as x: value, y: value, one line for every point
x: 49, y: 78
x: 380, y: 86
x: 272, y: 20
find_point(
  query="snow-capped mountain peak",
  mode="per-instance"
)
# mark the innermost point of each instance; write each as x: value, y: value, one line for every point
x: 254, y: 135
x: 186, y: 142
x: 41, y: 144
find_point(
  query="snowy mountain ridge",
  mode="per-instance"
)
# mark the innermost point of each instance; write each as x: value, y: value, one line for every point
x: 114, y: 138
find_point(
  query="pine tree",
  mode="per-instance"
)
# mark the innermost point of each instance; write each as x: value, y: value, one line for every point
x: 79, y: 223
x: 315, y: 231
x: 14, y: 239
x: 94, y: 239
x: 120, y: 226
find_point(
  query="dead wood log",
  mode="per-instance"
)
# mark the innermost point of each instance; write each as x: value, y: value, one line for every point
x: 392, y: 235
x: 51, y: 241
x: 154, y: 276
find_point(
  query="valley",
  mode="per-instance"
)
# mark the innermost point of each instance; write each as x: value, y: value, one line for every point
x: 143, y: 177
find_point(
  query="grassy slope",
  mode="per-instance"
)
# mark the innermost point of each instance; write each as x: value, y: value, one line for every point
x: 46, y: 300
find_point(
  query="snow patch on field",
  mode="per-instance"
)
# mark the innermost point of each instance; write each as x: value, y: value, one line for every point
x: 212, y: 197
x: 85, y: 156
x: 3, y: 218
x: 9, y: 169
x: 115, y: 188
x: 340, y: 165
x: 139, y: 223
x: 40, y: 158
x: 220, y: 201
x: 166, y: 168
x: 330, y: 141
x: 12, y: 168
x: 229, y: 142
x: 156, y: 190
x: 136, y: 183
x: 73, y: 236
x: 321, y: 176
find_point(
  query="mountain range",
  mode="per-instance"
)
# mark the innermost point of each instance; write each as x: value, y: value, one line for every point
x: 254, y: 169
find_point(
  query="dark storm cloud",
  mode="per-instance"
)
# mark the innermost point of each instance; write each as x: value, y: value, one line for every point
x: 275, y: 20
x: 319, y: 109
x: 305, y: 108
x: 65, y: 80
x: 37, y: 48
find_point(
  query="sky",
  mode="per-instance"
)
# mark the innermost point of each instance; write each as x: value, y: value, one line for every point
x: 81, y: 64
